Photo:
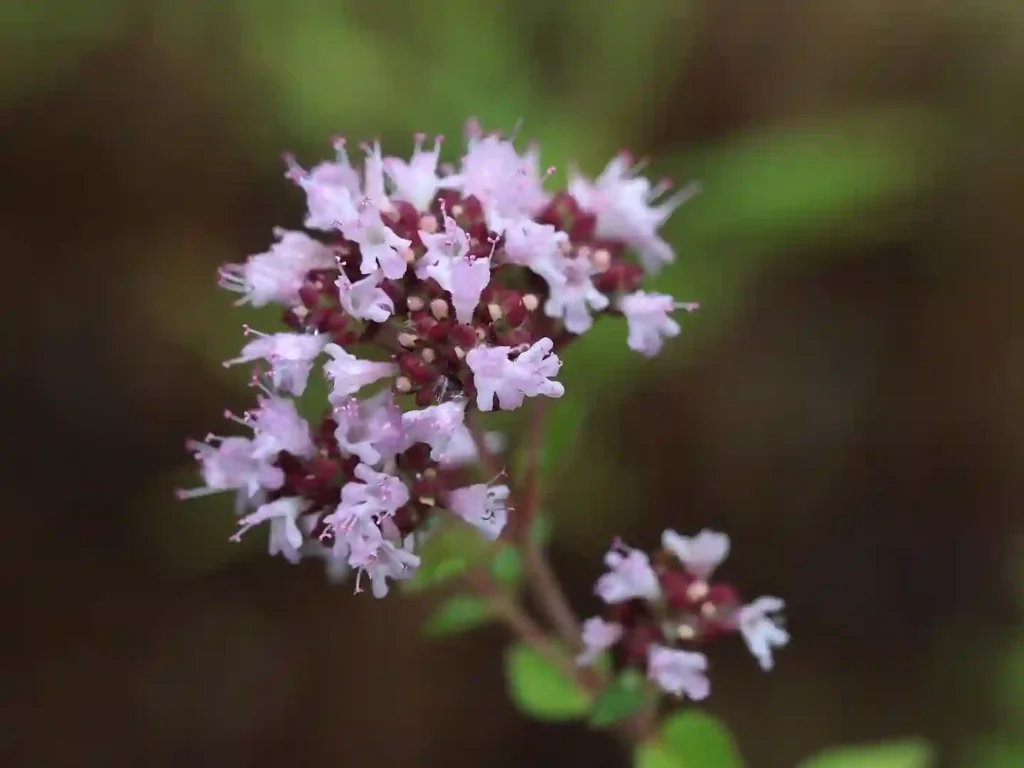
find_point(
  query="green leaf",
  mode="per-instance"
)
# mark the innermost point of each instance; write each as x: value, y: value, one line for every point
x: 539, y: 689
x: 688, y: 739
x: 622, y: 698
x: 449, y: 553
x: 458, y: 614
x: 801, y: 180
x: 909, y: 753
x: 507, y: 566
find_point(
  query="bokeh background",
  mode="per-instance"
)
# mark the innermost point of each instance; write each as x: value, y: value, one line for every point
x: 848, y: 403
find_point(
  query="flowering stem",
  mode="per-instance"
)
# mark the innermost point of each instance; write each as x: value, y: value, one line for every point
x: 631, y: 731
x: 522, y: 625
x: 546, y: 588
x: 539, y: 574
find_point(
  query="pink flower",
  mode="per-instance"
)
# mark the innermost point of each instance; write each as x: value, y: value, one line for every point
x: 573, y: 298
x: 442, y: 248
x: 290, y: 355
x: 680, y: 673
x: 277, y: 275
x: 330, y: 195
x: 630, y: 577
x: 380, y: 247
x: 365, y: 299
x: 535, y: 367
x: 279, y: 427
x: 511, y: 381
x: 482, y: 506
x: 624, y: 204
x: 537, y: 247
x: 349, y: 374
x: 700, y: 555
x: 507, y: 185
x: 760, y: 631
x: 448, y: 261
x: 649, y: 323
x: 377, y: 495
x: 436, y: 425
x: 370, y: 430
x: 598, y: 636
x: 230, y: 464
x: 415, y: 182
x: 283, y: 515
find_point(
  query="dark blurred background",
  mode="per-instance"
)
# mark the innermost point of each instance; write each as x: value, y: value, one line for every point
x: 847, y: 404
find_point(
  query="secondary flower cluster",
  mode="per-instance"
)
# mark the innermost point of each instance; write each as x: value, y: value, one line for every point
x: 458, y: 286
x: 657, y: 611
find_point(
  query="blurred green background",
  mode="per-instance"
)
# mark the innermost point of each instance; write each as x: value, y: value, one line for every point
x: 847, y: 404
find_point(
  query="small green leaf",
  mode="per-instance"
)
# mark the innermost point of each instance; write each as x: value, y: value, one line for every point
x: 688, y: 739
x: 790, y: 182
x: 539, y: 689
x: 909, y: 753
x: 540, y: 531
x: 622, y: 698
x: 458, y: 614
x: 507, y: 566
x: 450, y: 552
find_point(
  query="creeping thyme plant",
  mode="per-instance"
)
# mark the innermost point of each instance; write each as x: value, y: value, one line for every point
x: 429, y: 297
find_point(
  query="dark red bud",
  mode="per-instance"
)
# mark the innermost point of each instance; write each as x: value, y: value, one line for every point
x: 345, y: 338
x: 463, y: 336
x: 336, y: 321
x: 415, y: 369
x: 309, y: 295
x: 438, y: 333
x: 584, y: 226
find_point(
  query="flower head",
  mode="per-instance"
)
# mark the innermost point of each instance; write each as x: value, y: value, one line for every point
x: 463, y: 286
x: 657, y: 613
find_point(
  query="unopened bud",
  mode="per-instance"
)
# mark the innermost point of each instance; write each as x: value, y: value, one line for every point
x: 460, y: 353
x: 481, y: 334
x: 456, y: 211
x: 565, y: 246
x: 439, y: 308
x: 494, y: 311
x: 407, y: 340
x: 403, y: 385
x: 428, y: 355
x: 408, y: 255
x: 428, y: 224
x: 685, y: 632
x: 415, y: 303
x: 708, y: 610
x: 601, y: 259
x: 531, y: 302
x: 697, y: 591
x: 427, y: 501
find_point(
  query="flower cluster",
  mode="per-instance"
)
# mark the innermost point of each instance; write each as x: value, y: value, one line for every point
x: 658, y: 612
x: 457, y: 287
